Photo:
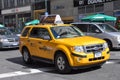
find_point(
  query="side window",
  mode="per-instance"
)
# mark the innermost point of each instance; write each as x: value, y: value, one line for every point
x: 93, y: 29
x: 34, y: 33
x: 82, y: 27
x: 25, y: 32
x: 39, y: 33
x: 44, y: 34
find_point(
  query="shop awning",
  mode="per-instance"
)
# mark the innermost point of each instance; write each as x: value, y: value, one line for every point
x: 2, y: 25
x: 98, y: 18
x: 33, y: 22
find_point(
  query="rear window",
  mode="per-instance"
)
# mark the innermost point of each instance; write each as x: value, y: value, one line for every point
x: 25, y: 32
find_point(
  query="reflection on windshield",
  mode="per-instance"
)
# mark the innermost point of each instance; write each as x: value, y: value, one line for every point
x: 5, y: 32
x: 107, y: 28
x: 66, y: 32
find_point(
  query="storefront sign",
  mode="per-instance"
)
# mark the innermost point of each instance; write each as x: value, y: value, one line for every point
x: 95, y: 1
x: 58, y: 7
x: 79, y: 2
x: 87, y: 2
x: 16, y: 10
x: 98, y: 1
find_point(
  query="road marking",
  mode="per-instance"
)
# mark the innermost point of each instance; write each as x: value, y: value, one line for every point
x: 32, y: 71
x: 25, y: 72
x: 109, y: 62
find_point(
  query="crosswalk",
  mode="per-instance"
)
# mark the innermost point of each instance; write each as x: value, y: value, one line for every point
x: 24, y: 72
x: 110, y: 62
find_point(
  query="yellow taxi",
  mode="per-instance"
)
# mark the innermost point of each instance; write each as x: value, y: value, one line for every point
x: 63, y: 45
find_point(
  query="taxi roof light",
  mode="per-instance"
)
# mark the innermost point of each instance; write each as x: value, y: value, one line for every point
x: 51, y: 19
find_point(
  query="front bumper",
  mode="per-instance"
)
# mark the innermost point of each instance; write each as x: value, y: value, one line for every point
x: 116, y: 44
x: 9, y: 45
x: 88, y: 66
x: 90, y: 60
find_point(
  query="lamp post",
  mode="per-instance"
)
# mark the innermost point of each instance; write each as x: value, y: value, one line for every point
x: 46, y: 13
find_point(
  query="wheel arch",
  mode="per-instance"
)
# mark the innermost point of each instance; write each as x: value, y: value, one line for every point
x: 24, y: 47
x: 68, y: 57
x: 108, y: 40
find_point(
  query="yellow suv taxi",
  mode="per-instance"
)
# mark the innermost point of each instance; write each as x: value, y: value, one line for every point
x: 63, y: 45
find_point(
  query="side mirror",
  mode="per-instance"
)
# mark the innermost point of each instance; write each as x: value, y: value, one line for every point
x: 97, y: 31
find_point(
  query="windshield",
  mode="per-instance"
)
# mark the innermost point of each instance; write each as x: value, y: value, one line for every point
x: 107, y: 28
x: 5, y: 32
x: 66, y: 32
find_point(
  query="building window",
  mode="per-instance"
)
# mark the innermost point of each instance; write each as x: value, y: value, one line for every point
x: 116, y: 4
x: 81, y: 9
x: 20, y: 2
x: 40, y: 5
x: 6, y: 3
x: 12, y: 3
x: 39, y: 0
x: 90, y: 9
x: 27, y: 1
x: 99, y: 7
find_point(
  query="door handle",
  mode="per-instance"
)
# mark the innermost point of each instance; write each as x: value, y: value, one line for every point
x: 31, y: 44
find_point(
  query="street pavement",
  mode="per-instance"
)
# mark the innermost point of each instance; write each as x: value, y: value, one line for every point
x: 13, y: 68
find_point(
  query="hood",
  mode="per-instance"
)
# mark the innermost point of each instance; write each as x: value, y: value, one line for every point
x: 9, y: 36
x: 77, y: 41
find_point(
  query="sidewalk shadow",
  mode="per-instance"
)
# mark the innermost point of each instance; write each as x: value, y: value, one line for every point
x: 38, y: 64
x: 9, y: 49
x: 34, y: 64
x: 116, y: 61
x: 115, y: 50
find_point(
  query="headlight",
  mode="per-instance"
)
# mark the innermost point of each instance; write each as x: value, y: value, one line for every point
x: 78, y: 49
x: 105, y: 45
x: 117, y: 38
x: 3, y: 40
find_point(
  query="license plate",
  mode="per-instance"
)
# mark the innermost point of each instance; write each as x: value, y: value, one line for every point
x: 97, y: 54
x: 15, y: 44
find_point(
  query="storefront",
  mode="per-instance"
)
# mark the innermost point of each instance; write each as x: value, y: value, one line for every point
x: 40, y: 8
x: 88, y: 7
x: 15, y: 18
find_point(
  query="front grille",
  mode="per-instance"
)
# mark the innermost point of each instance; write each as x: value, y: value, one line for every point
x: 94, y: 48
x: 12, y: 40
x: 99, y: 58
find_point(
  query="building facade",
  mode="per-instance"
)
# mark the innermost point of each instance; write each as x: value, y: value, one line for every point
x: 17, y: 12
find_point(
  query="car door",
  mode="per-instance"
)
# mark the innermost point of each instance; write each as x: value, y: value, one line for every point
x: 40, y: 43
x: 34, y: 41
x: 45, y: 45
x: 94, y: 31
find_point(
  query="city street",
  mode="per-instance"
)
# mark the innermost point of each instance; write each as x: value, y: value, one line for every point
x: 13, y: 68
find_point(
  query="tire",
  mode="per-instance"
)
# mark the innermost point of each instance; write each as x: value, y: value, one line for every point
x: 26, y: 56
x: 62, y: 64
x: 109, y: 44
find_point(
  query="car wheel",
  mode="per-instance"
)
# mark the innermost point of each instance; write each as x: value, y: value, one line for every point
x: 109, y: 44
x: 26, y: 56
x: 62, y: 64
